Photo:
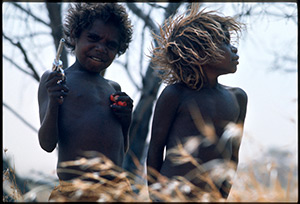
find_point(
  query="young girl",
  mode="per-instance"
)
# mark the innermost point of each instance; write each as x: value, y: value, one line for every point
x: 194, y: 110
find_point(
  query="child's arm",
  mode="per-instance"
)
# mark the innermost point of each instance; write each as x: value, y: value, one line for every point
x: 164, y: 114
x: 49, y: 98
x: 242, y: 99
x: 122, y: 106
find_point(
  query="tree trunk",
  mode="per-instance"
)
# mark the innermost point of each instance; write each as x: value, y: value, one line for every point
x: 141, y: 117
x: 140, y: 121
x: 55, y: 16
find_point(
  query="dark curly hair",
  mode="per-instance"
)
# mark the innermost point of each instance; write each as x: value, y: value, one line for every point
x: 81, y: 16
x: 188, y: 42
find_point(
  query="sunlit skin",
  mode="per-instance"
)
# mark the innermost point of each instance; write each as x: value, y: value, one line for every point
x: 173, y: 122
x: 86, y: 119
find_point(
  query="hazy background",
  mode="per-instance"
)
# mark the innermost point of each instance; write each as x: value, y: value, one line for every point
x: 268, y: 52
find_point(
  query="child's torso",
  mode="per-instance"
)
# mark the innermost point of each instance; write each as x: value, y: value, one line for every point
x: 86, y: 121
x: 215, y: 108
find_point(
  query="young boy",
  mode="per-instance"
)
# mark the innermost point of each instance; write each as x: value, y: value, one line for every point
x: 194, y: 50
x: 78, y: 115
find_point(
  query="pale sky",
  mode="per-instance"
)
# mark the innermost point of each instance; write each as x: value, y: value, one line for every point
x: 272, y: 115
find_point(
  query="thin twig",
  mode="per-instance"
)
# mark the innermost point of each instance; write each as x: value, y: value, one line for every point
x: 17, y: 66
x: 20, y: 117
x: 138, y: 12
x: 30, y: 65
x: 30, y: 14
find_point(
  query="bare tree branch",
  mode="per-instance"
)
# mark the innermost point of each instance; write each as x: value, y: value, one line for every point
x: 125, y: 65
x: 32, y: 35
x: 17, y: 66
x: 30, y: 65
x: 154, y: 5
x: 141, y: 116
x: 142, y: 53
x: 30, y: 14
x: 138, y: 12
x: 171, y: 9
x: 54, y: 11
x: 20, y: 117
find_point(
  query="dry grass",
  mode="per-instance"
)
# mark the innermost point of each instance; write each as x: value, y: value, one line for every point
x: 123, y: 186
x: 246, y: 186
x: 9, y: 184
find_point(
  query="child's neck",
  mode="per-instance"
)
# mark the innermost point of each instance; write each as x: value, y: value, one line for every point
x: 80, y: 68
x: 212, y: 83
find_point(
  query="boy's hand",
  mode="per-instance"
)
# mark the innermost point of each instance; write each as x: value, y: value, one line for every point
x: 56, y: 87
x: 122, y: 106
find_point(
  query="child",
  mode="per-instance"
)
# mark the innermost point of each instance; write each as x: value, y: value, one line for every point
x: 78, y: 114
x: 194, y: 50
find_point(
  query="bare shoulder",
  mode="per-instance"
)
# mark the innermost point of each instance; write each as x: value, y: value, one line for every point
x: 169, y: 99
x: 239, y: 93
x: 114, y: 84
x: 172, y: 93
x: 242, y: 100
x: 173, y: 90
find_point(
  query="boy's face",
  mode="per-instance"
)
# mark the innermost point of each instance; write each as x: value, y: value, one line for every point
x: 97, y: 47
x: 229, y: 63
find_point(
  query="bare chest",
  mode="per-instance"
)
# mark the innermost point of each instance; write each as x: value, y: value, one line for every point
x: 86, y: 93
x: 86, y: 119
x: 217, y: 107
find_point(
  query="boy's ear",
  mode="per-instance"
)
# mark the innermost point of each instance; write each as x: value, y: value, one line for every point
x: 72, y: 38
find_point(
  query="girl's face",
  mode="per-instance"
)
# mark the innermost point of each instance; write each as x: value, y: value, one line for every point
x: 97, y: 47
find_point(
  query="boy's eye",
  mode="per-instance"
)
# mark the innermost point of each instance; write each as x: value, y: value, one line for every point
x: 112, y: 45
x: 227, y: 41
x: 93, y: 37
x: 227, y: 37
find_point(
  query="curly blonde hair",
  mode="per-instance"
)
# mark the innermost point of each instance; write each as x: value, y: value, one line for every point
x: 188, y: 42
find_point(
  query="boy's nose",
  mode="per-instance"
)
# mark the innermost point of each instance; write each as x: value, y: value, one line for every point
x: 101, y: 48
x: 234, y: 49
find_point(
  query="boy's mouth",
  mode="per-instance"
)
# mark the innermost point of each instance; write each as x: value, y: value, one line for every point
x: 97, y: 59
x: 236, y: 59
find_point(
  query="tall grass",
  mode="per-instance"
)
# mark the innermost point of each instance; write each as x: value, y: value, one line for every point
x: 126, y: 187
x: 9, y: 183
x: 258, y: 182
